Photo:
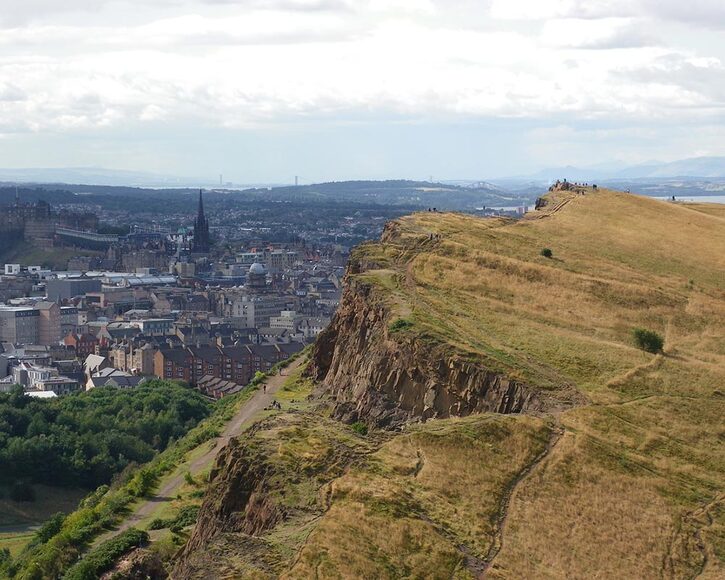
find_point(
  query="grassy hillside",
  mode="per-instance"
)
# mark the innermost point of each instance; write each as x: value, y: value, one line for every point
x: 629, y: 484
x: 324, y: 500
x: 641, y: 469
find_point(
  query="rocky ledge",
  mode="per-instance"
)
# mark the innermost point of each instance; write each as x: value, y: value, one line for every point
x: 385, y: 378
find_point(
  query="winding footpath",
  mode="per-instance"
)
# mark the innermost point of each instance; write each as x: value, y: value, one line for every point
x: 557, y: 433
x: 170, y: 485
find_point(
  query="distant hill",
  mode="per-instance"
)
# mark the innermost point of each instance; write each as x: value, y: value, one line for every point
x: 696, y: 167
x: 391, y: 192
x: 95, y: 175
x: 397, y: 192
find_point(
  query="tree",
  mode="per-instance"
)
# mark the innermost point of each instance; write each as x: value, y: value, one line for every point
x: 547, y: 253
x: 648, y: 340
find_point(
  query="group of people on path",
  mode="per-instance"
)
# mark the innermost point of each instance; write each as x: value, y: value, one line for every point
x: 275, y: 404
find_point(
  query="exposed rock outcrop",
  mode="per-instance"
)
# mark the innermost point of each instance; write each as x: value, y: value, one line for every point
x: 268, y: 479
x: 387, y: 378
x: 236, y: 500
x: 140, y: 564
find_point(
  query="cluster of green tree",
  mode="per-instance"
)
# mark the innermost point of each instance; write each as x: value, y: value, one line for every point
x: 87, y: 438
x: 104, y: 228
x: 186, y: 517
x: 61, y: 541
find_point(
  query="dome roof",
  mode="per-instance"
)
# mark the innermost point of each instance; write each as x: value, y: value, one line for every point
x: 257, y: 268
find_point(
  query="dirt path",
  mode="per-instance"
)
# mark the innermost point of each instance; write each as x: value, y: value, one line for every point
x: 510, y: 494
x: 169, y: 487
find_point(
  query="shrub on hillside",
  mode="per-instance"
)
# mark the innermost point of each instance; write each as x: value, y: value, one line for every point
x: 648, y: 340
x: 186, y: 517
x: 258, y: 378
x: 359, y: 428
x: 399, y: 325
x: 49, y: 529
x: 547, y: 253
x: 105, y: 556
x: 143, y: 482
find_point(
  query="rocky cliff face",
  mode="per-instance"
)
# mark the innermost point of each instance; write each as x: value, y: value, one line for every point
x: 265, y: 483
x: 140, y: 564
x: 236, y: 501
x: 386, y: 378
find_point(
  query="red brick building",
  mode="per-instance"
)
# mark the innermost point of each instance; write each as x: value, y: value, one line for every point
x: 83, y: 344
x: 231, y: 363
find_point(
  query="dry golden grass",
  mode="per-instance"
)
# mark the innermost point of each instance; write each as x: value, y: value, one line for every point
x: 635, y: 487
x: 410, y: 507
x: 714, y: 209
x: 634, y: 490
x: 352, y: 542
x: 584, y: 533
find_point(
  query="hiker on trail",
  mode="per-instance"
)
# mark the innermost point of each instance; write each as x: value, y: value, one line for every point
x: 264, y: 387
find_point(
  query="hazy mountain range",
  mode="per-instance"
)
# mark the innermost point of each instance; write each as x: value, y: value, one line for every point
x: 696, y: 167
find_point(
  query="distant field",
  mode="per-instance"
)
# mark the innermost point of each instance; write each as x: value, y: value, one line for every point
x: 15, y: 542
x: 48, y: 500
x: 19, y: 519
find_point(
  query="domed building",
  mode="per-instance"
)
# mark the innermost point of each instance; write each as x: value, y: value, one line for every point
x: 256, y: 278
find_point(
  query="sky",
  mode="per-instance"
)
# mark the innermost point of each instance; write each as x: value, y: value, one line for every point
x: 261, y: 91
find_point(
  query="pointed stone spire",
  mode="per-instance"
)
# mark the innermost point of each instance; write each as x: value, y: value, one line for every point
x: 200, y: 212
x: 201, y: 229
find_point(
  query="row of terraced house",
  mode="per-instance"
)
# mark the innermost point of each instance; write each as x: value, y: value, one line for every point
x: 236, y: 363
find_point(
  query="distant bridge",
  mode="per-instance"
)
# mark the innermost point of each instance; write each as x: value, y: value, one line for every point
x: 90, y: 240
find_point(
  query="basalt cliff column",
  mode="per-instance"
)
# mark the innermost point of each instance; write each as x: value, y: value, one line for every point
x: 387, y: 378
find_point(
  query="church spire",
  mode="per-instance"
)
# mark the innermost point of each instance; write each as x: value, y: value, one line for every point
x: 200, y: 212
x: 202, y: 242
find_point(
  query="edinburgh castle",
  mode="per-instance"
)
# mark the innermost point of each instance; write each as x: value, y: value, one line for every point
x: 37, y: 223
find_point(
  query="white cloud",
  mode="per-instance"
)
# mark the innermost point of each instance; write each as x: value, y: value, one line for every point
x: 546, y: 9
x: 259, y: 67
x: 600, y: 33
x: 708, y: 13
x: 65, y: 67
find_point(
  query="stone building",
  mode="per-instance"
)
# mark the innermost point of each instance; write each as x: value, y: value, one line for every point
x: 49, y: 323
x: 19, y: 324
x: 36, y: 223
x: 202, y: 241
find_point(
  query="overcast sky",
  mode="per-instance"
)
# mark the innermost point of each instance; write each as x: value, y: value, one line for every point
x: 334, y: 89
